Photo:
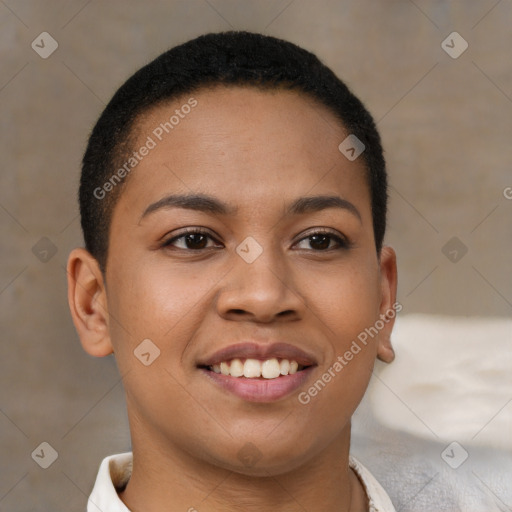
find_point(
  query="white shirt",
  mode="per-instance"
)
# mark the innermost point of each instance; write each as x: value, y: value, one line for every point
x: 115, y: 471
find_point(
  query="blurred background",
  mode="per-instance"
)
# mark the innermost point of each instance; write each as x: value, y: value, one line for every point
x: 442, y: 102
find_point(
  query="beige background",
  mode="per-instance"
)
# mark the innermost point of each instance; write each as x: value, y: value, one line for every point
x: 446, y: 125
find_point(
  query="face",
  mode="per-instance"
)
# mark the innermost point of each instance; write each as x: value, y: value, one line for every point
x: 245, y: 230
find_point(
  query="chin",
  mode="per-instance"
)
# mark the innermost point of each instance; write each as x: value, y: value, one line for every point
x: 250, y: 461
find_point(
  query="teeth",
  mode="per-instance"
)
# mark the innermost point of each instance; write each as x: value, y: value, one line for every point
x: 224, y: 368
x: 285, y: 367
x: 270, y: 369
x: 237, y: 368
x: 253, y: 368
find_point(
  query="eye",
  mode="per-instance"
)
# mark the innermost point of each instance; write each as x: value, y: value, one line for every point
x: 191, y: 239
x: 323, y: 241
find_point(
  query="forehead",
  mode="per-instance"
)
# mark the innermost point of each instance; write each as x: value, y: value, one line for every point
x: 244, y: 144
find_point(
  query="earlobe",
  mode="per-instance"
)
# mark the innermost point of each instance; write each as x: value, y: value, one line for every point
x: 88, y: 302
x: 389, y: 307
x: 385, y: 351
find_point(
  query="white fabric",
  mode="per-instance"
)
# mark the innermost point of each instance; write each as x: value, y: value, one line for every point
x: 378, y: 499
x: 115, y: 471
x: 451, y: 382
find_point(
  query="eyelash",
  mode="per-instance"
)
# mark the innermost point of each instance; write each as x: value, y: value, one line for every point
x: 342, y: 242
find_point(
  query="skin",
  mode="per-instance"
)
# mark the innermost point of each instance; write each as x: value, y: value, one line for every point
x: 257, y: 151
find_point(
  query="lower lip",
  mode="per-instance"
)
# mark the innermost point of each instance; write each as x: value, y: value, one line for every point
x: 260, y: 390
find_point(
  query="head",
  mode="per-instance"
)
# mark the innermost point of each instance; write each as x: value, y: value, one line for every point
x: 217, y: 209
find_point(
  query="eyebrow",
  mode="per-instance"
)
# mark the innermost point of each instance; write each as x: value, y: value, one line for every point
x: 317, y: 203
x: 199, y: 202
x: 209, y: 204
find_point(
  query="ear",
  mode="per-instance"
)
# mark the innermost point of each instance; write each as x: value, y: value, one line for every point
x: 87, y: 299
x: 388, y: 306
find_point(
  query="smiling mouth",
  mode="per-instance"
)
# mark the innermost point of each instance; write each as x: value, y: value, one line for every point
x: 249, y: 368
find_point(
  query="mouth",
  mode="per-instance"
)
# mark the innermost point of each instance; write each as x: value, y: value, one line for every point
x: 250, y: 368
x: 258, y: 373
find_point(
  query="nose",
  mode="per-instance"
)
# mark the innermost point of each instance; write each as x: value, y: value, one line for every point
x: 262, y: 291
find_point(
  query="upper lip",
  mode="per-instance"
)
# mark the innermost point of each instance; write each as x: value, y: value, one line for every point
x: 251, y: 350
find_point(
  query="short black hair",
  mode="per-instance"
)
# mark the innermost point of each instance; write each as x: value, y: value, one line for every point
x: 235, y: 58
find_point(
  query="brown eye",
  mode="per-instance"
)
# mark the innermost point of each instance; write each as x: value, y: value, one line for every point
x: 320, y: 242
x: 196, y: 241
x: 323, y: 241
x: 193, y: 240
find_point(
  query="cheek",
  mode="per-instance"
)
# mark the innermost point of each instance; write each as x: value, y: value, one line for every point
x: 154, y: 314
x: 159, y: 303
x: 346, y: 299
x: 345, y: 306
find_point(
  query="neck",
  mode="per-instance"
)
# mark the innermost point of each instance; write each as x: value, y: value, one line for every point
x: 167, y: 478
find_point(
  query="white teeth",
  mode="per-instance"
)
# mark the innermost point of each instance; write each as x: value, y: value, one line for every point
x: 270, y: 369
x: 224, y: 368
x: 237, y: 368
x: 253, y: 368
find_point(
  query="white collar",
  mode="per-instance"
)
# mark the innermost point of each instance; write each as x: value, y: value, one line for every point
x: 115, y: 471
